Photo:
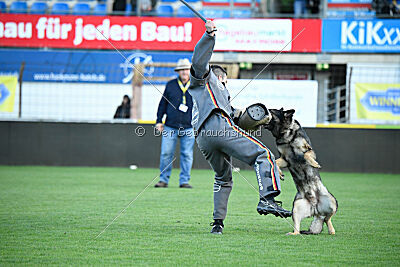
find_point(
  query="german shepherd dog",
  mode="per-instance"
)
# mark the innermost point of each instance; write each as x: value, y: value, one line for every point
x: 312, y: 198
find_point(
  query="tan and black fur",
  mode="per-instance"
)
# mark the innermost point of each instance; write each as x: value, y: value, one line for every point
x: 312, y: 199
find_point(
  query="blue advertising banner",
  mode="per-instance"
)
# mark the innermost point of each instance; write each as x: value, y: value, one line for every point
x: 349, y: 1
x: 361, y: 36
x: 84, y: 66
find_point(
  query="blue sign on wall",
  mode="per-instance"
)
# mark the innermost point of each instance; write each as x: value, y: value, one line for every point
x: 349, y: 1
x: 392, y: 95
x: 84, y: 66
x: 361, y: 36
x: 4, y: 93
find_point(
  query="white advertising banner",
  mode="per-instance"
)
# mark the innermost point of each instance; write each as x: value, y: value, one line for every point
x: 299, y: 95
x: 253, y: 35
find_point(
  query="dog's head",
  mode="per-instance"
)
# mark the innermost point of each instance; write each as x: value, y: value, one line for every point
x: 281, y: 121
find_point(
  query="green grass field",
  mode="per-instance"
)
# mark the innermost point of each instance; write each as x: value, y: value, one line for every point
x: 51, y: 215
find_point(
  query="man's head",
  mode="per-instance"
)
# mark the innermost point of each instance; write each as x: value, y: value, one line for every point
x: 126, y: 100
x: 183, y: 69
x: 221, y: 74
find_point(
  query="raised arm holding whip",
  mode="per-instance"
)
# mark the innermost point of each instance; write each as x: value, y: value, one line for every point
x: 212, y: 113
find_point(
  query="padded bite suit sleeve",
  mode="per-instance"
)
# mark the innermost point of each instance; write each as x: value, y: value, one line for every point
x: 202, y: 55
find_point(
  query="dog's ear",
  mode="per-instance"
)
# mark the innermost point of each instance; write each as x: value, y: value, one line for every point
x: 289, y: 113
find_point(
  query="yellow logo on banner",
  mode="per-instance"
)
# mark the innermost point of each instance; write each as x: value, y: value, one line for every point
x: 378, y: 101
x: 7, y: 93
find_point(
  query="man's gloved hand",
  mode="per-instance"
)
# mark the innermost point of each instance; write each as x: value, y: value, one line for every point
x: 210, y: 27
x: 236, y: 115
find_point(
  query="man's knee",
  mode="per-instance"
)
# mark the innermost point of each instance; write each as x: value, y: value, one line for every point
x: 224, y: 182
x: 267, y: 156
x: 167, y: 150
x: 167, y: 154
x: 187, y: 153
x: 225, y: 188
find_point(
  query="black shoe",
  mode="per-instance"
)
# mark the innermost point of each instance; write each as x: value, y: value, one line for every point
x: 185, y: 186
x: 218, y: 226
x: 270, y: 207
x: 161, y: 184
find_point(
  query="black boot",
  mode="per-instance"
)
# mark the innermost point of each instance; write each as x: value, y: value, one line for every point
x: 270, y: 207
x: 161, y: 184
x: 218, y: 226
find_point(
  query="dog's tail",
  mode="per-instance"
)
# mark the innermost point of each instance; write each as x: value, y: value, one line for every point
x: 308, y: 232
x: 315, y: 227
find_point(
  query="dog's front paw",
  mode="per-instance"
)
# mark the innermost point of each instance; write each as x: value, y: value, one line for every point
x: 281, y: 175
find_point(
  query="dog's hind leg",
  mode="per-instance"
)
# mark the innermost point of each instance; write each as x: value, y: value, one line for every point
x: 301, y: 210
x: 327, y: 206
x: 315, y: 227
x: 328, y: 221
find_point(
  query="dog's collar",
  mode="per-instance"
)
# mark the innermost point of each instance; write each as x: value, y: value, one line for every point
x: 291, y: 140
x: 282, y: 143
x: 287, y: 143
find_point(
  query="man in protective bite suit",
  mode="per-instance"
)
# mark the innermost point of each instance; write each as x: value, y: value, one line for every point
x: 212, y: 112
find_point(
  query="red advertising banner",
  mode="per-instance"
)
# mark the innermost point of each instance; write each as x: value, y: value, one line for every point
x: 309, y: 40
x: 58, y: 31
x: 145, y: 33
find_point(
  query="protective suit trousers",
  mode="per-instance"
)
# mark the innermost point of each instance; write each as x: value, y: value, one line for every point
x: 219, y: 139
